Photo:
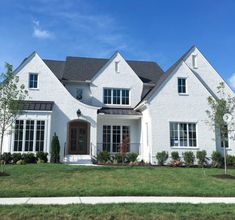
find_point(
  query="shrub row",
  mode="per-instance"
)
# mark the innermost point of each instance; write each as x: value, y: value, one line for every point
x: 24, y: 158
x: 118, y: 158
x: 217, y: 159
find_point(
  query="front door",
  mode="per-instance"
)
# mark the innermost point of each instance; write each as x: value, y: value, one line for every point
x: 78, y: 138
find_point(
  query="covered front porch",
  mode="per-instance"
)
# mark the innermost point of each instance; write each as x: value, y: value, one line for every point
x: 118, y: 130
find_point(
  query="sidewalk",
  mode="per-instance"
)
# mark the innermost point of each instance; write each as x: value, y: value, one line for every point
x: 113, y: 199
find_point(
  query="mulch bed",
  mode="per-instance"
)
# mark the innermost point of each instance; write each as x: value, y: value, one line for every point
x: 4, y: 174
x: 224, y: 176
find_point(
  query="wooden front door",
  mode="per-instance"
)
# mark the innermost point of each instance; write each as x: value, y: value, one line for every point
x: 78, y: 138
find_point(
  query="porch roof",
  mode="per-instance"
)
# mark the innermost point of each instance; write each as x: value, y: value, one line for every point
x: 37, y: 105
x: 118, y: 111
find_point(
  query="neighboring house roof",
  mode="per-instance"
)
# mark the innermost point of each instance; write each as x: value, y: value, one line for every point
x: 37, y: 105
x: 82, y: 69
x: 119, y: 111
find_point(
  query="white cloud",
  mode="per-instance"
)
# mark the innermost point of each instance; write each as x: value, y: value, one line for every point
x: 232, y: 81
x: 39, y: 32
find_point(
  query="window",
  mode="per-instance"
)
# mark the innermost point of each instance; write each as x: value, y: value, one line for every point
x: 107, y: 96
x: 116, y: 96
x: 18, y: 139
x: 181, y: 85
x: 29, y: 135
x: 183, y: 134
x: 116, y: 138
x: 225, y: 142
x: 106, y: 137
x: 79, y: 93
x: 33, y: 81
x: 40, y: 135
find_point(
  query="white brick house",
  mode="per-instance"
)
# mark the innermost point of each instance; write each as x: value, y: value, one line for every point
x: 98, y: 104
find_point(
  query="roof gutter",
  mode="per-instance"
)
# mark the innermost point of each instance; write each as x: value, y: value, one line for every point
x: 141, y: 104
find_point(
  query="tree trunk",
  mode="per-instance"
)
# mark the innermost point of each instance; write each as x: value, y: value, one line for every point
x: 225, y: 159
x: 2, y: 135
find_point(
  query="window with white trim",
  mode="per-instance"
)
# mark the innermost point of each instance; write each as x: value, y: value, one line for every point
x: 183, y: 134
x: 29, y: 135
x: 225, y: 142
x: 33, y: 80
x: 116, y: 138
x: 116, y: 96
x: 182, y: 86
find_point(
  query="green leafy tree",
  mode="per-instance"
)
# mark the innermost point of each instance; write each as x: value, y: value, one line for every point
x: 223, y: 104
x: 55, y: 149
x: 11, y: 96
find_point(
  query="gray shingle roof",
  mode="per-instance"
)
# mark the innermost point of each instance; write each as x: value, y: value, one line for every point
x: 38, y: 105
x: 119, y: 111
x: 82, y: 69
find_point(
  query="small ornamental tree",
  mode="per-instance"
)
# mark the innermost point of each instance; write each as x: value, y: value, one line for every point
x: 223, y: 104
x: 55, y: 149
x: 11, y: 96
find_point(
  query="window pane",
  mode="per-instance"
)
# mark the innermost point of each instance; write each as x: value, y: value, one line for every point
x: 174, y: 139
x: 183, y: 134
x: 18, y: 139
x: 29, y: 133
x: 126, y: 138
x: 33, y: 80
x: 116, y: 96
x: 106, y: 137
x: 192, y: 135
x: 225, y: 141
x: 40, y: 135
x: 116, y: 138
x: 125, y: 97
x: 107, y: 96
x: 181, y: 85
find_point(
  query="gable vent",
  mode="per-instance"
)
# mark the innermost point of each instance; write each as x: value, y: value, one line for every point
x: 194, y: 60
x: 117, y: 66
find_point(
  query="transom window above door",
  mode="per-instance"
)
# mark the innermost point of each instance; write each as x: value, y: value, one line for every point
x: 116, y: 96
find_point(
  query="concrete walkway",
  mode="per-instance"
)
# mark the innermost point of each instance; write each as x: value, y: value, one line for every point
x: 114, y: 199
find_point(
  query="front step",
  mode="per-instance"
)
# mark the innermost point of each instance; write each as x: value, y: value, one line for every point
x: 78, y: 159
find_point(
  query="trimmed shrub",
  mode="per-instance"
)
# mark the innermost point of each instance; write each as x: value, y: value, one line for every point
x: 42, y: 156
x: 20, y: 162
x: 230, y: 160
x: 16, y: 157
x: 55, y: 149
x: 217, y: 159
x: 162, y: 157
x: 131, y: 157
x: 188, y: 158
x: 119, y: 158
x: 175, y: 155
x: 201, y: 158
x: 103, y: 157
x: 6, y: 157
x: 29, y: 158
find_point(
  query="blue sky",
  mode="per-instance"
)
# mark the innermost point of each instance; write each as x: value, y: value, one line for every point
x: 157, y: 30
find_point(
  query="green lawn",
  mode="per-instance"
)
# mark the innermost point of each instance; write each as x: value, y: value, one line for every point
x: 65, y: 180
x: 120, y: 211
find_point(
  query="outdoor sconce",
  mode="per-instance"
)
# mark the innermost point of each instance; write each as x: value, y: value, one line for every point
x: 79, y: 113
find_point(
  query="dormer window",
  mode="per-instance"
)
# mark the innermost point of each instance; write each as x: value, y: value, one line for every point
x: 33, y: 81
x: 117, y: 66
x: 194, y: 60
x: 182, y: 86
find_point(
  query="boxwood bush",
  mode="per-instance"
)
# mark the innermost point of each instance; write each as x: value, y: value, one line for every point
x: 217, y: 159
x: 6, y: 157
x: 103, y: 157
x: 29, y: 158
x: 162, y: 157
x: 131, y: 157
x: 201, y: 158
x: 42, y: 156
x: 16, y: 157
x: 188, y: 158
